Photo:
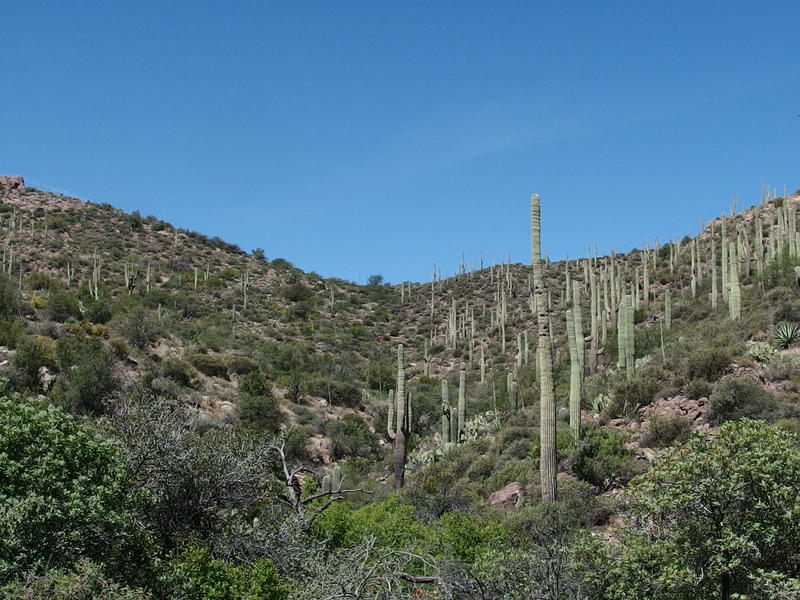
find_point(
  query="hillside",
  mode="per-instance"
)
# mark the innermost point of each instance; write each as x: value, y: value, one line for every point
x: 123, y: 319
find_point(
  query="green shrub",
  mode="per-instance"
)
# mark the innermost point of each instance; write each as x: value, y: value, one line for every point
x: 602, y: 459
x: 213, y: 366
x: 195, y: 575
x: 11, y: 330
x: 708, y: 363
x: 762, y: 352
x: 297, y: 292
x: 86, y: 581
x: 63, y: 306
x: 350, y: 437
x: 98, y: 311
x: 735, y: 397
x: 663, y: 430
x: 178, y: 371
x: 698, y: 388
x: 254, y: 384
x: 239, y: 364
x: 636, y: 392
x: 64, y: 495
x: 140, y: 327
x: 88, y: 374
x: 261, y: 413
x: 32, y: 354
x: 42, y: 281
x: 9, y: 298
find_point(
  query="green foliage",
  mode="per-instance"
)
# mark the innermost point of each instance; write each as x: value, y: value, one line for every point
x: 261, y: 413
x: 602, y: 459
x: 786, y: 334
x: 85, y: 582
x: 468, y: 537
x: 98, y: 311
x: 762, y: 352
x: 42, y: 282
x: 88, y: 377
x: 63, y: 306
x: 698, y: 388
x: 297, y: 293
x: 32, y: 354
x: 391, y: 522
x: 240, y: 364
x: 9, y: 298
x: 64, y: 494
x: 254, y: 384
x: 708, y: 363
x: 140, y: 327
x: 718, y: 509
x: 638, y: 391
x: 209, y: 364
x: 178, y: 371
x: 350, y: 436
x: 663, y: 430
x: 735, y: 397
x: 195, y: 575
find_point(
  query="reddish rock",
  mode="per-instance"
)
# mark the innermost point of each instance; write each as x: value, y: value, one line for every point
x: 12, y: 182
x: 509, y: 497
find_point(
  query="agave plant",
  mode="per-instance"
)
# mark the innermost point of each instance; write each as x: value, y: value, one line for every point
x: 762, y: 352
x: 786, y: 334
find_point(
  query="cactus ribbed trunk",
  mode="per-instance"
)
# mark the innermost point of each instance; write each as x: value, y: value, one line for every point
x: 547, y: 434
x: 630, y: 340
x: 462, y: 402
x: 735, y: 293
x: 574, y: 378
x: 400, y: 417
x: 668, y: 310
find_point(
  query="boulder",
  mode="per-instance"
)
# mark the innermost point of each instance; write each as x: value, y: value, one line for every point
x: 508, y: 497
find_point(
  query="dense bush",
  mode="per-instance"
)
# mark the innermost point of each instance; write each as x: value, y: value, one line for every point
x: 85, y: 581
x: 208, y: 364
x: 32, y: 354
x: 602, y: 459
x: 735, y: 397
x: 140, y: 327
x: 715, y: 518
x: 261, y: 413
x: 88, y: 377
x: 663, y: 430
x: 708, y: 363
x: 64, y: 494
x: 350, y: 437
x: 698, y: 388
x: 178, y: 371
x: 195, y: 575
x: 63, y: 306
x: 240, y: 364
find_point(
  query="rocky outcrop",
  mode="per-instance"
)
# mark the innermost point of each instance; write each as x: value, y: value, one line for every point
x: 508, y: 497
x: 12, y: 182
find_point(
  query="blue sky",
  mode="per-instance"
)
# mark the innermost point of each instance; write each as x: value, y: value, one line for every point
x: 354, y: 138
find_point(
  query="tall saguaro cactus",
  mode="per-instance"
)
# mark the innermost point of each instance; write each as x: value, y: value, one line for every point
x: 547, y: 402
x: 735, y: 293
x: 462, y: 402
x: 574, y: 377
x: 400, y: 442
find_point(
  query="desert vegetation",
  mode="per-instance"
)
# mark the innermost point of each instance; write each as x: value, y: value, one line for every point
x: 182, y: 419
